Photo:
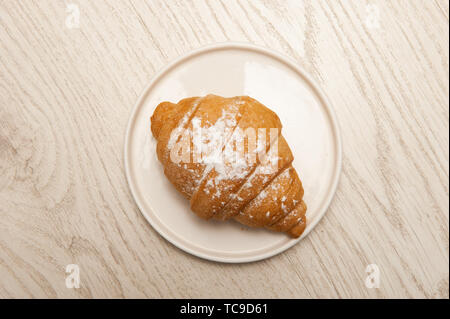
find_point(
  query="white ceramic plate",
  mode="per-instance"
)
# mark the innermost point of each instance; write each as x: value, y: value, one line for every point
x: 230, y: 69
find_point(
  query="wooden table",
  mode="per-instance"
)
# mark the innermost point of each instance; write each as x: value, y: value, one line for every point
x: 68, y: 85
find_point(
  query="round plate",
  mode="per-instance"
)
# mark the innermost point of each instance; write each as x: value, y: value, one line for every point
x: 230, y: 69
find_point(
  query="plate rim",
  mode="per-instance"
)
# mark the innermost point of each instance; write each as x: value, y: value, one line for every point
x: 318, y: 91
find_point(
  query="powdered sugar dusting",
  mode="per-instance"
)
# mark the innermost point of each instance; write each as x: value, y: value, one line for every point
x: 208, y: 141
x: 176, y: 133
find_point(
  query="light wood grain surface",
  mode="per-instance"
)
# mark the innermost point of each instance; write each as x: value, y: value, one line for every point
x: 66, y: 95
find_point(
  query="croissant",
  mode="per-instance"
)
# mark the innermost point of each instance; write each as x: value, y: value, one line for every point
x: 227, y: 156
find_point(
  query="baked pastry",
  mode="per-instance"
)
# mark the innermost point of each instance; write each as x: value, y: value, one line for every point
x: 228, y: 158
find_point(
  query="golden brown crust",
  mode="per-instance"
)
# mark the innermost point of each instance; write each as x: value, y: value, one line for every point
x: 248, y: 192
x: 296, y: 216
x: 179, y: 176
x: 298, y: 229
x: 255, y: 183
x: 215, y: 191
